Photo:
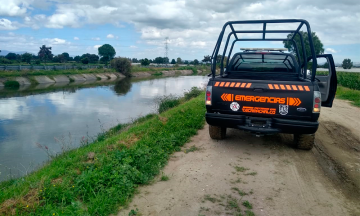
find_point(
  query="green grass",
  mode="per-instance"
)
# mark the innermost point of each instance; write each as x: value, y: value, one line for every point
x: 247, y: 204
x: 164, y: 177
x: 71, y: 184
x: 191, y: 149
x: 241, y: 193
x: 240, y: 169
x: 348, y: 94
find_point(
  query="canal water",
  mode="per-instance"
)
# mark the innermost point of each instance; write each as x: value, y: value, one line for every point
x: 54, y: 118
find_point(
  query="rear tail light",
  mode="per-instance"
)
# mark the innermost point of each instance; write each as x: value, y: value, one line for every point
x: 208, y: 95
x: 317, y: 102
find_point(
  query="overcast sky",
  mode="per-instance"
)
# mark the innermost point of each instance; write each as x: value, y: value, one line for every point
x: 138, y: 28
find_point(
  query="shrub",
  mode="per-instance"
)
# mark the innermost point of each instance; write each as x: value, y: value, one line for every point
x: 193, y: 92
x: 5, y: 61
x: 12, y: 84
x: 122, y: 65
x: 348, y: 79
x: 167, y: 102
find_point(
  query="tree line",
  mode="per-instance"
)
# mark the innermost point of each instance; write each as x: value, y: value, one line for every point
x: 105, y: 53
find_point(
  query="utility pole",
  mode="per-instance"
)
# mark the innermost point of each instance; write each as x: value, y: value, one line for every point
x: 166, y: 50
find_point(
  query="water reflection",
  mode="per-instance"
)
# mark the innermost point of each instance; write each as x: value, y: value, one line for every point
x: 123, y: 86
x: 71, y: 112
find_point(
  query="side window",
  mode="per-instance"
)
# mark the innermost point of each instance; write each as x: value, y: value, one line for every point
x: 323, y: 77
x: 323, y: 67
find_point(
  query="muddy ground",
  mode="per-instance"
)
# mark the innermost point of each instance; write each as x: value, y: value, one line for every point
x: 246, y: 175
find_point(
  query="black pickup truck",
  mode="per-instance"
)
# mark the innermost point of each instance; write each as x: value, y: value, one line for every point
x: 268, y: 90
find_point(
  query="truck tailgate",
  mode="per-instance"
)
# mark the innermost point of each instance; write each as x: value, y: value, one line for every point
x: 285, y: 99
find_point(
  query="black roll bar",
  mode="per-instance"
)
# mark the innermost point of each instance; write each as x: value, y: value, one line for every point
x: 264, y: 32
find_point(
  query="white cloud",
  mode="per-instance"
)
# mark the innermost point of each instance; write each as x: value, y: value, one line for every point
x: 13, y: 8
x: 55, y: 41
x: 62, y: 19
x: 330, y: 50
x: 191, y: 23
x: 6, y: 24
x: 76, y: 38
x: 133, y: 47
x: 97, y: 46
x: 110, y: 36
x: 36, y: 21
x: 96, y: 38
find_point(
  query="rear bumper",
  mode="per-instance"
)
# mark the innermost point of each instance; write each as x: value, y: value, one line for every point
x: 273, y: 125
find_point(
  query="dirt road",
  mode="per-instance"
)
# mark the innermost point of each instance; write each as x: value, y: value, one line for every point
x: 263, y: 176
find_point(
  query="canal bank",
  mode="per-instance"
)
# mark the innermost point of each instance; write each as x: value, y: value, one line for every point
x: 100, y: 177
x: 78, y: 78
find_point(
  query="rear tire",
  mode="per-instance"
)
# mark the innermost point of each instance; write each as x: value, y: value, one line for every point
x: 304, y: 141
x: 217, y: 133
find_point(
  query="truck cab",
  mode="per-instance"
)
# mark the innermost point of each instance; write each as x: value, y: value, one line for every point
x: 268, y: 90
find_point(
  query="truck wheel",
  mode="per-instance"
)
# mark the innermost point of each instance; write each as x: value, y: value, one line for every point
x: 304, y: 141
x: 217, y: 132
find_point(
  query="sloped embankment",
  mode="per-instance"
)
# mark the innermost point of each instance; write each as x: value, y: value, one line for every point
x: 98, y: 178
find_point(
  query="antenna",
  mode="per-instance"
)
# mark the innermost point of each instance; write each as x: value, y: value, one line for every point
x: 166, y: 49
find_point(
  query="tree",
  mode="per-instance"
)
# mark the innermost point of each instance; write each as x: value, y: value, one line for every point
x: 11, y: 56
x: 319, y: 47
x: 326, y: 65
x: 56, y: 59
x: 122, y: 65
x: 145, y: 62
x: 196, y: 62
x: 159, y: 60
x: 62, y: 58
x: 186, y: 62
x: 206, y: 59
x: 66, y: 56
x: 45, y: 53
x: 77, y: 58
x: 93, y: 58
x: 85, y: 60
x: 103, y: 60
x: 166, y: 60
x: 178, y: 60
x: 173, y: 61
x: 107, y: 51
x: 134, y: 60
x: 26, y: 57
x: 347, y: 64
